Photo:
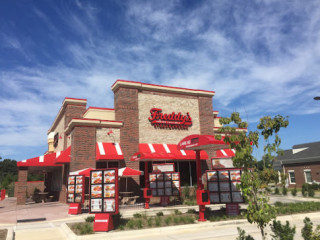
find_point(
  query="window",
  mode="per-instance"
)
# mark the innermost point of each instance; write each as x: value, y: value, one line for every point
x: 307, y: 175
x: 292, y: 178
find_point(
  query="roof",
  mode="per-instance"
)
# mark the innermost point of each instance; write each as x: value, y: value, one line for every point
x: 301, y: 153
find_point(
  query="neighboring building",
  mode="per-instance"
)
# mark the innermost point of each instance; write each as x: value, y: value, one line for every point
x: 145, y: 125
x: 301, y: 163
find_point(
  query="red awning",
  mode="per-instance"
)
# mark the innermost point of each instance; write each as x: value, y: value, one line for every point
x: 225, y: 153
x: 47, y: 160
x: 85, y: 172
x: 108, y: 151
x: 201, y: 142
x: 64, y: 157
x: 164, y: 152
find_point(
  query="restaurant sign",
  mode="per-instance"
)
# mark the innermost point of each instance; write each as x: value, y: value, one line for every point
x: 171, y: 121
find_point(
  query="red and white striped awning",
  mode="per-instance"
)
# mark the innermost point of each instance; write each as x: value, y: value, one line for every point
x: 64, y: 157
x: 225, y: 153
x: 164, y: 152
x: 47, y: 160
x: 85, y: 172
x: 108, y: 151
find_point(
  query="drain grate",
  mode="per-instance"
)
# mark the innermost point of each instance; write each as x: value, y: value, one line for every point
x: 31, y: 220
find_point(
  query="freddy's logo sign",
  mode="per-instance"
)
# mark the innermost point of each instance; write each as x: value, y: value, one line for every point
x: 172, y: 120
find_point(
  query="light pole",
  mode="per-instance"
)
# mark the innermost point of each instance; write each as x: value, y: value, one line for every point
x: 317, y: 98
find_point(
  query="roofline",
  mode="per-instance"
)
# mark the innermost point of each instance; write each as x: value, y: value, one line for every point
x: 298, y: 160
x: 98, y: 108
x: 91, y: 123
x: 66, y: 101
x: 159, y: 88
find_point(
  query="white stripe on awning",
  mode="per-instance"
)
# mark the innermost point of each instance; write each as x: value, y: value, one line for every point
x: 234, y: 151
x: 166, y: 148
x: 118, y: 148
x: 58, y: 154
x: 224, y: 153
x: 151, y: 148
x: 101, y: 220
x: 41, y: 159
x: 24, y: 160
x: 101, y: 149
x: 183, y: 152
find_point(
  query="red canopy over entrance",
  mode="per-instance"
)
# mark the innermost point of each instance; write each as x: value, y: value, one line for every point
x: 200, y: 142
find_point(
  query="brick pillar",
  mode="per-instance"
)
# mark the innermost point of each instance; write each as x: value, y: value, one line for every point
x: 206, y: 125
x: 83, y: 148
x: 72, y: 111
x: 22, y: 185
x: 126, y: 110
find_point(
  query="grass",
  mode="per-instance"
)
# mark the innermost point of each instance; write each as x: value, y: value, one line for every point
x: 3, y: 234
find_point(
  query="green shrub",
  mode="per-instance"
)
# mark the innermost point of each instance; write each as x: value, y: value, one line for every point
x: 175, y: 220
x: 304, y: 189
x: 90, y: 219
x: 276, y: 191
x: 294, y: 191
x: 315, y: 186
x: 158, y: 221
x: 284, y: 191
x: 139, y: 223
x: 310, y: 192
x: 137, y: 215
x: 83, y: 228
x: 242, y: 235
x: 306, y: 231
x: 149, y: 222
x: 159, y: 214
x: 191, y: 211
x: 189, y: 219
x: 131, y: 224
x: 167, y: 220
x: 177, y: 212
x: 282, y: 232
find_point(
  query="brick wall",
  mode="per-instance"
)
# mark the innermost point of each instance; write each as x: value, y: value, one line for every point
x: 299, y: 172
x: 31, y: 185
x: 126, y: 110
x: 22, y: 185
x: 206, y: 125
x: 83, y: 148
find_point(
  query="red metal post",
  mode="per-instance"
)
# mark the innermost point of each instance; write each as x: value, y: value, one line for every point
x: 200, y: 185
x: 146, y: 185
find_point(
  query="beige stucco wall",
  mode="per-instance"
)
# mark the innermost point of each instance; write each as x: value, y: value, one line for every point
x: 168, y: 104
x: 102, y: 135
x: 102, y: 114
x: 216, y: 122
x: 60, y: 130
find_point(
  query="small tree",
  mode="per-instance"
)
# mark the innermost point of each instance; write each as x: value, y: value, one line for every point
x: 306, y: 231
x: 253, y: 183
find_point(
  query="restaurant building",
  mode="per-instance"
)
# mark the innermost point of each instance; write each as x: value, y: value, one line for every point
x: 301, y: 163
x: 146, y: 124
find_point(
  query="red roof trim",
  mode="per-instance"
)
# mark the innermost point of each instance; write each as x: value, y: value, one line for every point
x: 150, y: 84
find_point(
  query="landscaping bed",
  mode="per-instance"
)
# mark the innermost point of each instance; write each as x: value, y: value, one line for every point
x: 142, y: 221
x: 3, y: 234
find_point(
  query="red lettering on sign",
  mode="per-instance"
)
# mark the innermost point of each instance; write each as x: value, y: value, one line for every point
x: 172, y: 120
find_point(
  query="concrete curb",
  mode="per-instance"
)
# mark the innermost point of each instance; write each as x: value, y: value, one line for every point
x: 9, y: 234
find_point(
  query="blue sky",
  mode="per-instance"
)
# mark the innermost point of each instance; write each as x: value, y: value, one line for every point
x: 261, y: 58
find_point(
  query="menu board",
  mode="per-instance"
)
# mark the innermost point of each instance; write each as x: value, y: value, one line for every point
x: 104, y: 191
x: 165, y: 184
x: 75, y: 189
x: 222, y: 185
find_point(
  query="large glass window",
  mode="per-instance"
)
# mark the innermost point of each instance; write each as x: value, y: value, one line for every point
x: 292, y: 177
x: 307, y: 175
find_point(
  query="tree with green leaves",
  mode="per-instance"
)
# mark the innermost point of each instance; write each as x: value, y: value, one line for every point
x: 254, y: 183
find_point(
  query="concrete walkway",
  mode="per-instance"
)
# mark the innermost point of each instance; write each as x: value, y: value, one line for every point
x: 56, y: 217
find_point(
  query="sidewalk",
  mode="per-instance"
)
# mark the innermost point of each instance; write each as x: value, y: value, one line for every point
x: 56, y: 215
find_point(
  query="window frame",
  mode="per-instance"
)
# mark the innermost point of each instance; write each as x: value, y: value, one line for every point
x: 305, y: 175
x: 294, y: 176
